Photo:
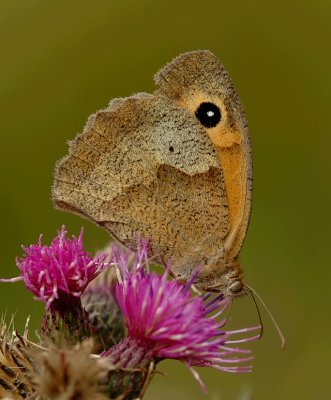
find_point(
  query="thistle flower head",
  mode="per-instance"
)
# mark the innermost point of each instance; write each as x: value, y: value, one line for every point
x: 63, y: 267
x: 166, y: 319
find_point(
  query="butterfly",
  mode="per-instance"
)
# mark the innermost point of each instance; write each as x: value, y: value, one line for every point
x: 174, y: 166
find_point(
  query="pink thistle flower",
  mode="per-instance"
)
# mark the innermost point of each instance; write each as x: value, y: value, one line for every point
x: 61, y: 269
x: 167, y: 320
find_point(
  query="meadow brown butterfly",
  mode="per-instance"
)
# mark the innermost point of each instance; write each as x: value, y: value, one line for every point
x: 173, y: 166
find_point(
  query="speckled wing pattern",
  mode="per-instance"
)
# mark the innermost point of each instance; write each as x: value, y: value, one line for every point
x: 145, y: 166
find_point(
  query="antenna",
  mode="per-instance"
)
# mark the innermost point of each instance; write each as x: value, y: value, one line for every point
x: 258, y: 313
x: 253, y: 292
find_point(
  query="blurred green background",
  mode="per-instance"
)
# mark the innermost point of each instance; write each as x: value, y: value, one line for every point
x: 62, y: 60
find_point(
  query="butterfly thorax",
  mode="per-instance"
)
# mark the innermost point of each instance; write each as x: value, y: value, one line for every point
x: 215, y: 276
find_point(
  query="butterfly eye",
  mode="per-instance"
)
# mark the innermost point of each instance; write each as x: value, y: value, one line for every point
x: 208, y: 114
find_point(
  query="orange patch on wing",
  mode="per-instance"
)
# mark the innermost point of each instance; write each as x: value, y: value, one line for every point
x: 229, y: 147
x: 230, y: 151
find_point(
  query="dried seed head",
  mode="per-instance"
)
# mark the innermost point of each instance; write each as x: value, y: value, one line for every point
x: 68, y: 374
x: 16, y: 363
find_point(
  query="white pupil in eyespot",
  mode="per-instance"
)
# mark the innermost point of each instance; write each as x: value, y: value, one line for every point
x: 210, y: 113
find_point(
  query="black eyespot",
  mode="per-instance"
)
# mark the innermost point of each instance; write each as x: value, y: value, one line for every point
x: 208, y: 114
x: 171, y: 149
